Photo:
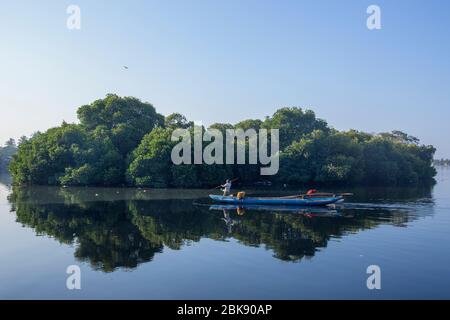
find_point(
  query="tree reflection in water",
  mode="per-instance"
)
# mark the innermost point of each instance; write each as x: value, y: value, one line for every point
x: 124, y: 232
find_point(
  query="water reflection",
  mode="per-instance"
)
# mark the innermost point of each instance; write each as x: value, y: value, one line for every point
x: 5, y: 179
x: 121, y: 228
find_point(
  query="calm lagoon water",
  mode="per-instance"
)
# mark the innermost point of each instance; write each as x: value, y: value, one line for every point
x: 171, y: 244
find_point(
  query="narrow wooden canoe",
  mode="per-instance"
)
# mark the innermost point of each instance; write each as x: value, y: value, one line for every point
x: 309, y: 201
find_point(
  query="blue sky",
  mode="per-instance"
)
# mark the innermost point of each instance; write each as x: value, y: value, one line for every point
x: 224, y: 61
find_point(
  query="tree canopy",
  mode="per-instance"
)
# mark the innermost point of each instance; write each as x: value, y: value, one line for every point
x: 126, y: 120
x: 121, y: 140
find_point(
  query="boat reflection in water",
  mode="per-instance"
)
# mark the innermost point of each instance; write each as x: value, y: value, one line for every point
x: 330, y: 210
x: 240, y: 210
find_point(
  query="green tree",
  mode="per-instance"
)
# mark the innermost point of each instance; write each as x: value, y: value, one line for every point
x: 67, y: 155
x: 177, y: 120
x: 222, y: 127
x: 249, y: 124
x: 293, y: 124
x: 150, y: 163
x: 126, y: 118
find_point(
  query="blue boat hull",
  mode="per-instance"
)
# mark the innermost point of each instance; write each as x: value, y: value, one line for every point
x: 278, y: 201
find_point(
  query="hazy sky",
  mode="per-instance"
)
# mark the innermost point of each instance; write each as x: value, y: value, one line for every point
x: 224, y: 61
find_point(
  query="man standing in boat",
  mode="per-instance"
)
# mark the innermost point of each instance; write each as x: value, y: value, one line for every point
x: 226, y: 188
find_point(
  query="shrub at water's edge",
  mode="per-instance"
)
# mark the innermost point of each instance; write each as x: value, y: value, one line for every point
x: 121, y: 140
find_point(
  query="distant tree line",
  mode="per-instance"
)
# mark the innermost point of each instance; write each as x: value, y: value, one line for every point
x: 442, y: 162
x: 123, y: 141
x: 6, y: 154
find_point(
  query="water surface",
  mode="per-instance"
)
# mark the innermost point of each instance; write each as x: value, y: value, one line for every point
x: 171, y: 244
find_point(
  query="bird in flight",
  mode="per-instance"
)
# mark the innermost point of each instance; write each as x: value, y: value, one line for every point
x: 125, y: 67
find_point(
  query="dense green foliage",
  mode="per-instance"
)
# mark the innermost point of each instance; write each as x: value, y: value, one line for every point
x: 68, y: 155
x: 125, y: 141
x: 355, y: 157
x: 93, y: 152
x: 125, y: 120
x: 313, y: 153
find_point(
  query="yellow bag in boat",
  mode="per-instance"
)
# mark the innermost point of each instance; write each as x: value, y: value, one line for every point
x: 241, y: 195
